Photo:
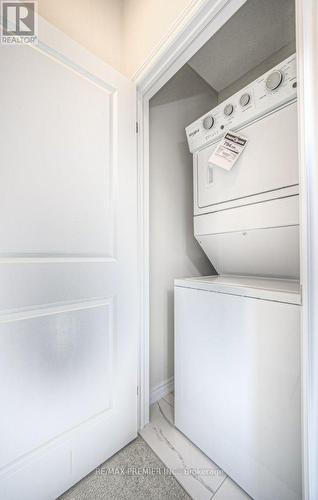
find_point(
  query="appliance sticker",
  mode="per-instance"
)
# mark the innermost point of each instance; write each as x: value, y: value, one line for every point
x: 228, y: 151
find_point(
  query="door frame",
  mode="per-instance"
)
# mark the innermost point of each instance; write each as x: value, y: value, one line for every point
x: 196, y: 24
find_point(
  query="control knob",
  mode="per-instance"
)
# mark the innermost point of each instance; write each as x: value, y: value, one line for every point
x: 245, y: 99
x: 274, y: 80
x: 228, y: 110
x: 208, y: 122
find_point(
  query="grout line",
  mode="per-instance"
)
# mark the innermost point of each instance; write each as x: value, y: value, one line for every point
x: 164, y: 416
x: 163, y: 463
x: 162, y: 437
x: 164, y: 397
x: 168, y: 402
x: 192, y: 474
x: 219, y: 487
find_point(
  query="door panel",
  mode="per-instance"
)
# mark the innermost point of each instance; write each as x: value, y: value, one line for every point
x: 68, y: 265
x: 65, y: 183
x: 61, y: 375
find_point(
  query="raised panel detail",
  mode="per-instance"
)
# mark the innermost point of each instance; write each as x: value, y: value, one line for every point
x: 56, y: 190
x: 55, y: 371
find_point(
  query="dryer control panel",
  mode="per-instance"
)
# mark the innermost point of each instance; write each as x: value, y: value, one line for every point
x: 269, y: 92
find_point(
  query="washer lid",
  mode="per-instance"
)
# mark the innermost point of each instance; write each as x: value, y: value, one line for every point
x: 277, y: 290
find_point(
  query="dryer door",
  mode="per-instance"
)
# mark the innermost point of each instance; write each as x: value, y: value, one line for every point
x: 269, y: 163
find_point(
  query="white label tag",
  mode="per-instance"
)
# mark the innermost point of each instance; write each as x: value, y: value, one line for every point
x: 228, y: 151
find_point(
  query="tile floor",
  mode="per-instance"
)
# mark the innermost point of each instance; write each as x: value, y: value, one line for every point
x: 199, y: 476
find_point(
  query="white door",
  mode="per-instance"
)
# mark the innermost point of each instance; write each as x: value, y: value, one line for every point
x: 68, y: 273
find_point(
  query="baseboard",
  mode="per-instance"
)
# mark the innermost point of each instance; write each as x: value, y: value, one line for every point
x: 161, y: 390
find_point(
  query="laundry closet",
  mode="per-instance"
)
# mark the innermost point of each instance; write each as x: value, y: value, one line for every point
x: 225, y: 284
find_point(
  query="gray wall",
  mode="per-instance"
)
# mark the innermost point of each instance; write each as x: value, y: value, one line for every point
x: 259, y: 70
x: 173, y: 250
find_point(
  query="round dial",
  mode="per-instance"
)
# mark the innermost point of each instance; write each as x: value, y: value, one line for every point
x: 208, y: 122
x: 245, y: 99
x: 274, y: 80
x: 228, y: 110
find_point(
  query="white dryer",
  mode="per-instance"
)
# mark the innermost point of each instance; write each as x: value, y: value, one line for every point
x: 245, y: 217
x: 237, y: 334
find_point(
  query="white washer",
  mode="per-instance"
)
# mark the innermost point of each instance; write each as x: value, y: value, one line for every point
x: 237, y: 379
x: 237, y: 336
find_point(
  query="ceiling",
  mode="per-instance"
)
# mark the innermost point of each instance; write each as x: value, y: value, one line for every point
x: 255, y: 32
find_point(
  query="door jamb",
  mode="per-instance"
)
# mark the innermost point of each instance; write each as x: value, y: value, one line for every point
x: 194, y: 27
x: 307, y: 67
x: 196, y: 24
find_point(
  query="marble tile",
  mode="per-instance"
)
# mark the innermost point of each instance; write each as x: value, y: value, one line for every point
x: 198, y: 475
x: 230, y: 491
x: 170, y: 398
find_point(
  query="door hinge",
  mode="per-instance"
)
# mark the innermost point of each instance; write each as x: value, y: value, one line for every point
x: 137, y: 390
x: 137, y: 127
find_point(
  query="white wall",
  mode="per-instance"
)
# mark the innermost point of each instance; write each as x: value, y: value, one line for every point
x: 95, y: 24
x: 173, y: 250
x: 255, y: 32
x: 122, y: 33
x: 145, y: 22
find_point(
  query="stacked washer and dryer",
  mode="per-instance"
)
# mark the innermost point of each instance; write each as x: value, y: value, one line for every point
x: 237, y: 333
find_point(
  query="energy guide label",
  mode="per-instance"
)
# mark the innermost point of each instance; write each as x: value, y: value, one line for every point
x: 228, y: 151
